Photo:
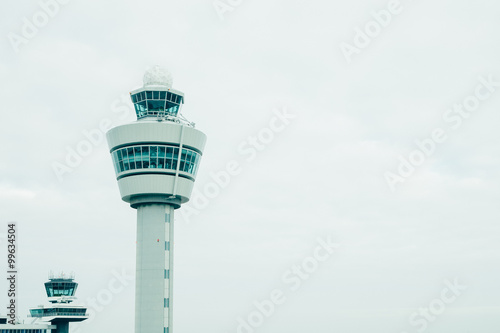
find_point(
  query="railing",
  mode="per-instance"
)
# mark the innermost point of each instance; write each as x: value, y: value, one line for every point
x: 53, y: 314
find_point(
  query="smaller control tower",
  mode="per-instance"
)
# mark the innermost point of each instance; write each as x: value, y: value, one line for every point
x: 61, y: 292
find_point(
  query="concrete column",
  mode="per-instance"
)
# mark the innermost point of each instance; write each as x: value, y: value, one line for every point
x: 154, y: 268
x: 62, y: 327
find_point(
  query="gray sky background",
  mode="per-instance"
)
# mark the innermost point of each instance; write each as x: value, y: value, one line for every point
x: 322, y: 176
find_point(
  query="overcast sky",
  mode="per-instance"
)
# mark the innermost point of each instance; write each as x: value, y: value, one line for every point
x: 386, y: 143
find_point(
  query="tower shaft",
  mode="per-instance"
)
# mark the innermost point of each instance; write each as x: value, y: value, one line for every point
x: 154, y: 268
x: 62, y: 327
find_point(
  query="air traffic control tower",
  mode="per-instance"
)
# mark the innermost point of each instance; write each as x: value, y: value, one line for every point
x: 61, y: 292
x: 156, y: 159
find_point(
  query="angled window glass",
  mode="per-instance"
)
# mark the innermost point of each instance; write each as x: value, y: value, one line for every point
x: 153, y: 157
x: 145, y: 157
x: 115, y: 160
x: 176, y: 157
x: 161, y: 157
x: 125, y: 159
x: 183, y: 161
x: 137, y: 156
x: 131, y: 160
x: 172, y: 110
x: 156, y: 106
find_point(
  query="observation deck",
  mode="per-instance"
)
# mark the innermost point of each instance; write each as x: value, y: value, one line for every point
x: 156, y: 158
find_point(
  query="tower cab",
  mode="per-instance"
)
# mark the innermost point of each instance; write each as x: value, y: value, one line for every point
x: 157, y: 102
x: 157, y: 98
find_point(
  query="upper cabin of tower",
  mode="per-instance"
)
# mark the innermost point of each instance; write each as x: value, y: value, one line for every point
x: 61, y: 288
x: 157, y: 98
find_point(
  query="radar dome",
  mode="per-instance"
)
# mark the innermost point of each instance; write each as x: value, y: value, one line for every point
x: 158, y: 76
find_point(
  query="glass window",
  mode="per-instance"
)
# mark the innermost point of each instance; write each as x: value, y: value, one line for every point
x: 184, y: 163
x: 157, y: 157
x: 153, y: 156
x: 191, y: 164
x: 169, y: 156
x: 149, y: 94
x: 156, y: 106
x: 163, y: 94
x: 131, y: 160
x: 145, y: 157
x: 140, y: 109
x: 125, y: 159
x: 161, y: 157
x: 190, y: 154
x: 195, y: 160
x: 172, y: 110
x: 115, y: 159
x: 156, y: 95
x: 170, y: 152
x: 137, y: 154
x: 176, y: 157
